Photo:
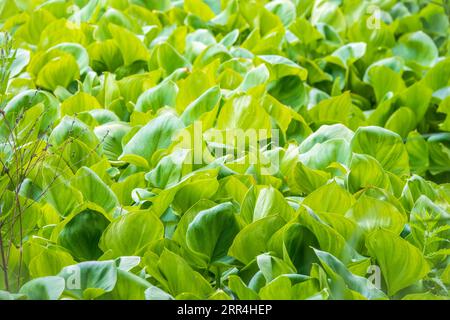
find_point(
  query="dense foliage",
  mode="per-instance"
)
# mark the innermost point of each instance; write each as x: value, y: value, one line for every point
x: 234, y: 149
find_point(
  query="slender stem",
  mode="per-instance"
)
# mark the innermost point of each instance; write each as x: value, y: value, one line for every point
x: 218, y: 278
x: 4, y: 262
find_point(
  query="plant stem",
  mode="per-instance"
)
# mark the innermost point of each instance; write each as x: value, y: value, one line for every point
x: 218, y: 278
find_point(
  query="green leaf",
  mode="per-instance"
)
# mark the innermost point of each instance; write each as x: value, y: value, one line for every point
x: 60, y: 31
x: 78, y: 103
x: 280, y: 67
x: 272, y: 267
x: 402, y: 121
x: 169, y: 170
x: 94, y: 189
x: 366, y: 171
x: 253, y: 239
x: 157, y: 97
x: 337, y: 110
x: 154, y: 136
x: 371, y: 214
x: 303, y: 179
x: 60, y: 71
x: 71, y: 127
x: 169, y: 59
x: 89, y: 280
x: 439, y: 154
x: 208, y: 101
x: 414, y: 188
x: 325, y: 133
x: 32, y: 29
x: 401, y: 263
x: 155, y: 293
x: 81, y: 234
x: 395, y: 63
x: 129, y: 287
x: 284, y: 10
x: 240, y: 289
x: 436, y: 77
x: 255, y: 77
x: 289, y: 90
x: 417, y: 98
x: 444, y: 107
x: 385, y: 146
x: 77, y: 51
x: 424, y: 296
x: 21, y: 60
x: 111, y: 135
x: 199, y: 8
x: 283, y: 288
x: 329, y: 198
x: 323, y: 155
x: 327, y: 237
x: 131, y: 47
x: 305, y: 31
x: 418, y: 153
x: 130, y: 233
x: 192, y: 188
x: 344, y: 279
x: 293, y: 242
x: 5, y: 295
x: 243, y: 112
x: 418, y: 48
x: 445, y: 276
x: 212, y: 232
x: 349, y: 53
x: 49, y: 261
x: 171, y: 271
x: 262, y: 202
x: 27, y: 99
x: 105, y: 56
x: 385, y: 81
x: 46, y: 288
x: 60, y: 193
